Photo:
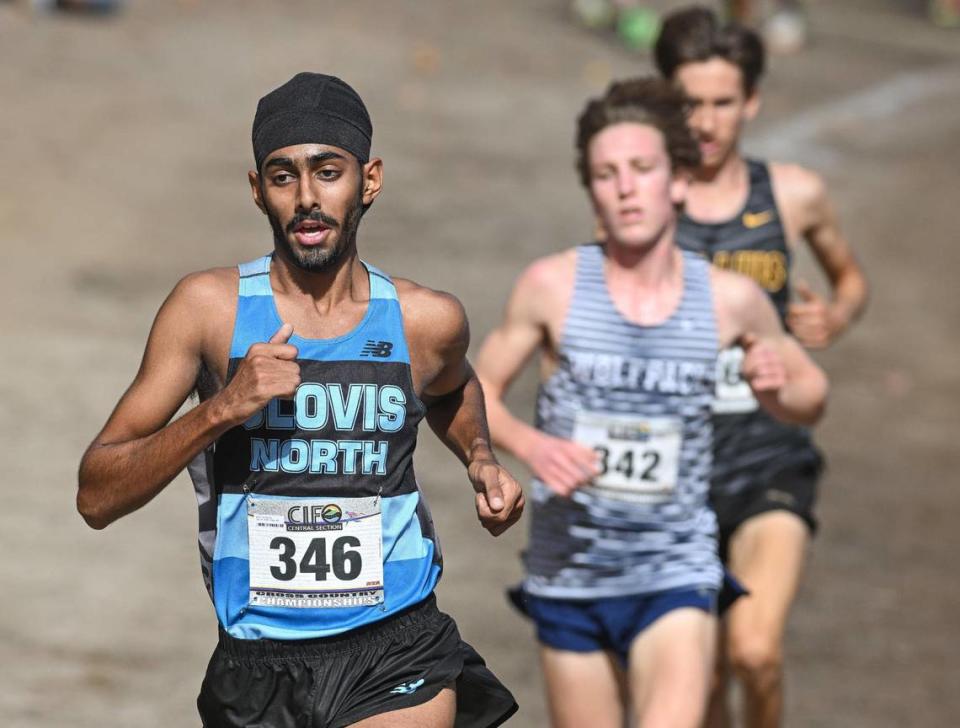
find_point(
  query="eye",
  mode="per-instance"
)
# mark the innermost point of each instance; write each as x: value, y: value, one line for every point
x: 328, y: 173
x: 282, y: 178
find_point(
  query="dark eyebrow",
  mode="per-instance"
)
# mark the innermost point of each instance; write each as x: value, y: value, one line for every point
x: 279, y: 162
x: 313, y: 160
x: 324, y: 157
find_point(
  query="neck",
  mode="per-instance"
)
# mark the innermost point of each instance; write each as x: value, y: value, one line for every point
x: 728, y: 173
x: 649, y: 267
x: 345, y: 279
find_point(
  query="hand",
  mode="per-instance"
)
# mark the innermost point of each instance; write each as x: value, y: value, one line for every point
x: 813, y: 321
x: 499, y: 497
x: 561, y: 464
x: 762, y: 367
x: 267, y: 371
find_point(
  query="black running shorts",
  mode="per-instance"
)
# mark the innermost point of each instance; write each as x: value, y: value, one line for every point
x: 793, y: 489
x: 403, y: 661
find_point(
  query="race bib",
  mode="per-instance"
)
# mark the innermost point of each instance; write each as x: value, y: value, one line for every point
x: 639, y: 457
x: 732, y: 395
x: 315, y: 552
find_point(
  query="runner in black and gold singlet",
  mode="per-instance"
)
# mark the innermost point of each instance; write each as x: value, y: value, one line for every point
x: 745, y: 216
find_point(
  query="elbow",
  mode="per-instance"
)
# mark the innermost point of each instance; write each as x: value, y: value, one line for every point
x: 91, y: 513
x: 809, y: 419
x: 91, y: 507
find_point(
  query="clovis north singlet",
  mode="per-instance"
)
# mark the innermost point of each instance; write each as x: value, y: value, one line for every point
x: 640, y: 397
x: 311, y: 520
x: 749, y: 445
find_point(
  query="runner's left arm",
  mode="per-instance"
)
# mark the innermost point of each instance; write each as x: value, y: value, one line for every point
x: 456, y: 412
x: 784, y: 379
x: 814, y: 320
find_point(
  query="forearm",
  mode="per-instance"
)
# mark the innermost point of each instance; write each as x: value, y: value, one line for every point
x: 459, y: 420
x: 850, y: 294
x: 509, y: 432
x: 117, y: 478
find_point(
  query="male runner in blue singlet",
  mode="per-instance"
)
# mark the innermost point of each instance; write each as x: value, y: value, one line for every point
x: 748, y: 216
x: 622, y: 567
x: 314, y: 370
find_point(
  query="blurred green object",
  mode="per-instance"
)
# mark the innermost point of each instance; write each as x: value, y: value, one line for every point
x: 594, y: 14
x: 638, y: 28
x: 945, y: 13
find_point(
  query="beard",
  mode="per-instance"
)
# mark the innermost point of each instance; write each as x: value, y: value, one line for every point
x: 317, y: 259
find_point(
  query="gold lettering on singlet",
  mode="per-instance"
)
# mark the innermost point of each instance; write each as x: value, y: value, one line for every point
x: 767, y: 267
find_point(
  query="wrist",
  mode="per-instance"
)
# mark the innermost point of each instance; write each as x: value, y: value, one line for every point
x: 220, y: 414
x: 839, y: 315
x: 480, y: 450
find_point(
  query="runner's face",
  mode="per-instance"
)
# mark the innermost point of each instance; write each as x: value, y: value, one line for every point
x: 312, y: 195
x: 720, y: 107
x: 632, y: 186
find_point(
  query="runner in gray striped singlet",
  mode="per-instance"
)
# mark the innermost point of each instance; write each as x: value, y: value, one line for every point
x: 622, y: 568
x: 750, y: 216
x: 645, y: 526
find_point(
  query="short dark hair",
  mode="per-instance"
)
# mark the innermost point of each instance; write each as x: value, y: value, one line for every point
x: 695, y: 35
x: 648, y: 100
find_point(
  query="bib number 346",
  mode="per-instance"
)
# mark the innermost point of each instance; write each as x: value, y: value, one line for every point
x: 315, y: 553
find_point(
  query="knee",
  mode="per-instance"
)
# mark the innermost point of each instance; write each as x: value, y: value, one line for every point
x: 757, y: 661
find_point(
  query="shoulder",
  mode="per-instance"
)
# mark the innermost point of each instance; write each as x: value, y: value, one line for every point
x: 546, y: 284
x: 797, y: 186
x: 207, y: 286
x: 431, y: 315
x: 203, y: 300
x: 552, y: 273
x: 733, y: 292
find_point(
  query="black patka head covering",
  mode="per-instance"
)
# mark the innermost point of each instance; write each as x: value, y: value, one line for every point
x: 312, y: 108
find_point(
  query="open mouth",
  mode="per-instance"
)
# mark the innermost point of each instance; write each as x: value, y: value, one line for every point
x: 310, y: 232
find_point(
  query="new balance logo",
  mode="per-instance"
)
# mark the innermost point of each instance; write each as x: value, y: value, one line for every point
x: 408, y: 688
x: 380, y: 349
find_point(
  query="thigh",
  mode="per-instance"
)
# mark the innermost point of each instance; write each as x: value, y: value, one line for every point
x: 671, y: 664
x: 583, y: 688
x: 438, y: 712
x: 767, y: 553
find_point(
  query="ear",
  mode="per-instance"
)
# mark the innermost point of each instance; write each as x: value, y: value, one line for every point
x: 254, y: 180
x: 679, y: 184
x: 752, y: 107
x: 372, y: 173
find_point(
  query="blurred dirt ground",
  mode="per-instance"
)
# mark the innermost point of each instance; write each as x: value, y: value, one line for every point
x: 125, y: 144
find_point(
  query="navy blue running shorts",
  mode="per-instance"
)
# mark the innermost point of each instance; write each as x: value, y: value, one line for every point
x: 403, y: 661
x: 611, y: 624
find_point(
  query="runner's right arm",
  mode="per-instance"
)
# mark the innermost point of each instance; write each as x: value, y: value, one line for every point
x: 561, y: 464
x: 138, y: 453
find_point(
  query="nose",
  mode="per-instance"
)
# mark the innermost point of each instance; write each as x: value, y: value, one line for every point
x: 703, y: 120
x: 308, y: 197
x: 625, y: 182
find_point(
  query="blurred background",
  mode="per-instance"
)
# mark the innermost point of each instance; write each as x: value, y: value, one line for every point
x: 125, y: 147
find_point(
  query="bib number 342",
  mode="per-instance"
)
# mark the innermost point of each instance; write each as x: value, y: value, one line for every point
x: 638, y: 457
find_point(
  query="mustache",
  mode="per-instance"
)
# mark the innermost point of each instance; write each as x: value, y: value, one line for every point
x: 315, y: 216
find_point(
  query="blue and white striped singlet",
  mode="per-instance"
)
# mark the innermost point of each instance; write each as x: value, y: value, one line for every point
x: 640, y: 396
